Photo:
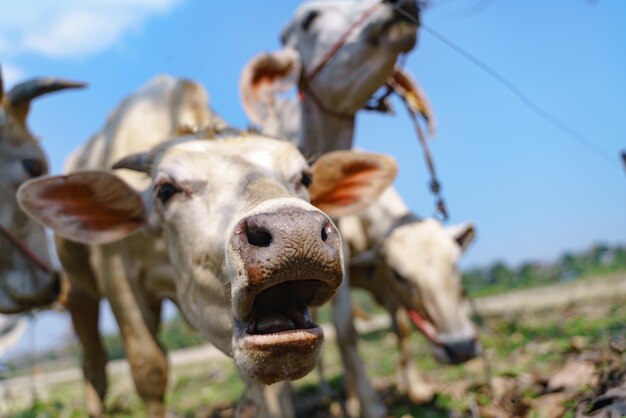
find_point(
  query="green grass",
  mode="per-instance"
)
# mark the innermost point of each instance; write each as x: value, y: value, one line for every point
x: 522, y: 345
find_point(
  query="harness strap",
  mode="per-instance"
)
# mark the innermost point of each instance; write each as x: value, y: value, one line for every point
x: 26, y: 252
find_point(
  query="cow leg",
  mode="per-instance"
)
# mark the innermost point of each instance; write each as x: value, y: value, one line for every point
x: 410, y: 381
x: 83, y: 303
x: 324, y: 386
x: 137, y: 317
x: 85, y: 312
x: 273, y: 401
x: 361, y: 399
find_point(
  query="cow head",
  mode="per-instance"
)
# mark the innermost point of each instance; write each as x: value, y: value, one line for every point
x: 251, y: 252
x: 350, y: 46
x: 23, y: 284
x: 422, y: 271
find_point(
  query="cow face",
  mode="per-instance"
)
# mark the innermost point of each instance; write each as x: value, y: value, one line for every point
x: 377, y: 32
x: 251, y: 252
x: 423, y: 274
x: 23, y: 284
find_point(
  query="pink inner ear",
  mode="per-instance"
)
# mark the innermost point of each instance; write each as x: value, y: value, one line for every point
x: 87, y: 208
x: 350, y: 189
x: 268, y: 70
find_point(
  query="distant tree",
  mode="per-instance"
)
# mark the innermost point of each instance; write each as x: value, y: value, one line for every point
x: 500, y: 273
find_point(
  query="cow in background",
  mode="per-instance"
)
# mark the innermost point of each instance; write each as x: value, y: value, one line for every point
x: 27, y: 278
x: 410, y: 266
x: 338, y: 54
x: 214, y: 220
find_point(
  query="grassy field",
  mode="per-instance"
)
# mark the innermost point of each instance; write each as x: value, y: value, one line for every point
x: 523, y: 352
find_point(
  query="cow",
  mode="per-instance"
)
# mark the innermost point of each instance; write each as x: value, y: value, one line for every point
x: 222, y: 228
x: 338, y: 54
x: 27, y: 277
x: 410, y: 265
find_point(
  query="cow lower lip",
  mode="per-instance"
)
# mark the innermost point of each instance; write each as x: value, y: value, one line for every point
x: 298, y: 338
x: 280, y: 315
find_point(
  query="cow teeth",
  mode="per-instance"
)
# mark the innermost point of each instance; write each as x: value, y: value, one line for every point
x: 273, y: 322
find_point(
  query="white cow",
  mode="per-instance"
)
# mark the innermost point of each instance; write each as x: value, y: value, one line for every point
x: 249, y: 253
x: 134, y: 275
x: 338, y: 54
x: 27, y: 279
x: 410, y: 265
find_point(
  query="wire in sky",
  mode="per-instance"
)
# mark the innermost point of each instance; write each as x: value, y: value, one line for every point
x: 527, y: 101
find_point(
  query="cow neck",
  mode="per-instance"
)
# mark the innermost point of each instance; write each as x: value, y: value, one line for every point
x: 322, y: 133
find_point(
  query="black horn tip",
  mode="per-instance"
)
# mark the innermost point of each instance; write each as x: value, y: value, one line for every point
x: 29, y: 90
x: 136, y: 162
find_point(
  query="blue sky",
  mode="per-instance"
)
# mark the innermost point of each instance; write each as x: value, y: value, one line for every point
x: 532, y: 190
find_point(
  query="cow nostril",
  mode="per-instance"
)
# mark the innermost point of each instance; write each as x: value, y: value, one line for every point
x: 324, y: 234
x: 259, y: 238
x: 56, y: 286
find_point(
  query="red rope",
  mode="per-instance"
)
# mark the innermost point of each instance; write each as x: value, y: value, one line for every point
x: 420, y: 323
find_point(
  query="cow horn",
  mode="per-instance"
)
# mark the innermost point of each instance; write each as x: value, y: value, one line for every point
x: 138, y: 162
x: 23, y: 93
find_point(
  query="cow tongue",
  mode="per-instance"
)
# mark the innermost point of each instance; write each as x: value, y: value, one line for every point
x: 269, y: 323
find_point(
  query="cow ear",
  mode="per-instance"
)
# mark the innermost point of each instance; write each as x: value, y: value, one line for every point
x: 464, y: 234
x: 346, y: 182
x: 263, y: 78
x: 415, y: 98
x: 92, y: 207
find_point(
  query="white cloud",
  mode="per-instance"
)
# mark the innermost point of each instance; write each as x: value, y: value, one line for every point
x: 71, y: 28
x: 11, y: 74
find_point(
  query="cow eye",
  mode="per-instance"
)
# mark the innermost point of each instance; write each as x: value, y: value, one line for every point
x: 308, y: 19
x: 165, y: 191
x: 399, y: 278
x: 307, y: 179
x: 34, y: 168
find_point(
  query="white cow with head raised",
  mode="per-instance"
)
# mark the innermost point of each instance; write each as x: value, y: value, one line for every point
x: 338, y: 53
x: 230, y: 215
x: 27, y: 279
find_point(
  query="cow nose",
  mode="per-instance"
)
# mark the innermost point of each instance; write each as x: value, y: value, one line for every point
x: 461, y: 351
x: 405, y: 8
x: 289, y: 226
x: 288, y: 239
x: 56, y: 285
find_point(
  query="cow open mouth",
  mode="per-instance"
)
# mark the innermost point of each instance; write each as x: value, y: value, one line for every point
x: 280, y: 316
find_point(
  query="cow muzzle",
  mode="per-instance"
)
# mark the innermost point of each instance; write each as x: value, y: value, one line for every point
x: 289, y: 260
x: 30, y: 290
x: 458, y: 352
x: 400, y: 32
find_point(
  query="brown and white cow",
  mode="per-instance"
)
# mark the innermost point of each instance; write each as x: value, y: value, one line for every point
x: 27, y: 279
x: 338, y: 54
x: 223, y: 229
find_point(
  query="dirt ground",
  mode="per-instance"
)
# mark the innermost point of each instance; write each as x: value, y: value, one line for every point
x: 568, y: 361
